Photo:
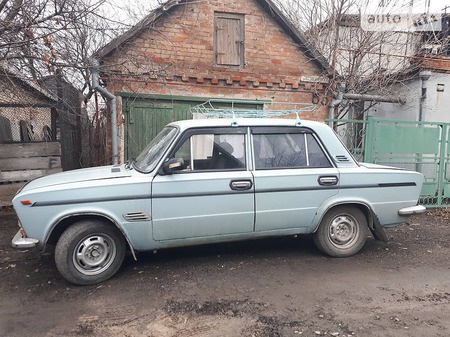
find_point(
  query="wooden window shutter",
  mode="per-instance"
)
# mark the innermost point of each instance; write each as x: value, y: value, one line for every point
x: 229, y: 39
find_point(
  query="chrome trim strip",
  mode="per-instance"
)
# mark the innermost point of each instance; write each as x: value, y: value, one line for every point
x: 397, y: 184
x: 92, y: 200
x: 188, y: 195
x: 177, y: 195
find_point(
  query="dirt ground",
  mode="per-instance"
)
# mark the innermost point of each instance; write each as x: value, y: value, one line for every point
x: 275, y: 288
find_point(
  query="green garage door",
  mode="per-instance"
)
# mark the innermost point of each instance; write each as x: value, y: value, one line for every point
x: 144, y: 119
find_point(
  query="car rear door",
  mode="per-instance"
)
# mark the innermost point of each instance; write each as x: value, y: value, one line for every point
x: 293, y: 176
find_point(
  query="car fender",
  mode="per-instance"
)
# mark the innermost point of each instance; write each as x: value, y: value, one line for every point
x: 61, y: 218
x: 333, y: 202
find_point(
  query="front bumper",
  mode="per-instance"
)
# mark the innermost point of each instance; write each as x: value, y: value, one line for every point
x: 412, y: 210
x: 19, y: 241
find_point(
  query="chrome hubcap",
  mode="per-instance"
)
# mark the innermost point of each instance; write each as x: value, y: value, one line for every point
x: 343, y: 231
x: 94, y: 254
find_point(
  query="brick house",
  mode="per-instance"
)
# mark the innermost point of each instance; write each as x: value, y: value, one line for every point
x: 31, y: 111
x: 389, y: 66
x: 431, y: 107
x: 424, y: 85
x: 25, y: 109
x: 40, y: 129
x: 27, y: 129
x: 240, y: 53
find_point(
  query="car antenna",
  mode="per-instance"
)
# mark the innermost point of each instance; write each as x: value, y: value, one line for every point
x: 234, y: 122
x: 298, y: 122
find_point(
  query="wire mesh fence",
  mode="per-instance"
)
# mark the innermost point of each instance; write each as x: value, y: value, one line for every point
x: 25, y: 124
x: 352, y: 134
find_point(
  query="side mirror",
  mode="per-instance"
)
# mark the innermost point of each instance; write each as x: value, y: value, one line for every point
x: 173, y: 165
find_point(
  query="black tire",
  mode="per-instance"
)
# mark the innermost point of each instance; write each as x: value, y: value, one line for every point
x: 89, y: 252
x: 342, y: 232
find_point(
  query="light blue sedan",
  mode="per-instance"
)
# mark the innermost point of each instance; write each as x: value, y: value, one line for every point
x: 214, y: 180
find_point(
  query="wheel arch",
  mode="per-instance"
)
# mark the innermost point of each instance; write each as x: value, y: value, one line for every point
x: 362, y: 206
x: 65, y: 222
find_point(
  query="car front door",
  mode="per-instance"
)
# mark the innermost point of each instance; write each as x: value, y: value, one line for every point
x: 293, y: 176
x: 212, y: 194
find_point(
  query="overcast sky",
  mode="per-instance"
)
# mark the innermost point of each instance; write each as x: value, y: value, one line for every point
x: 133, y: 10
x: 437, y: 5
x: 418, y: 6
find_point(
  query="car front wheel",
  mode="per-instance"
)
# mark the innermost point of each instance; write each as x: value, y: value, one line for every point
x: 342, y: 232
x: 89, y: 252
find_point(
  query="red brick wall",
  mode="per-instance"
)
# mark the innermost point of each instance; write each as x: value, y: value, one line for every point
x: 178, y: 53
x: 176, y: 57
x: 439, y: 64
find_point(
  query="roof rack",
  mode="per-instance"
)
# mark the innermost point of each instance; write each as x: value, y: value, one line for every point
x: 236, y: 109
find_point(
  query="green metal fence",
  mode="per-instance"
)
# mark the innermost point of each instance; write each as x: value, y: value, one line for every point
x: 419, y: 146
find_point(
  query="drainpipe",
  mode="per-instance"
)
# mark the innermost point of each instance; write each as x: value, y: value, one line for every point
x: 334, y: 103
x: 340, y: 96
x: 112, y: 104
x: 424, y: 76
x: 374, y: 98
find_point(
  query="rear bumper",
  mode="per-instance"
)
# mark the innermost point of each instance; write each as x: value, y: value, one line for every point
x: 23, y: 242
x: 412, y: 210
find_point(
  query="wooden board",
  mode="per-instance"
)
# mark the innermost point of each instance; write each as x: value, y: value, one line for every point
x: 31, y: 163
x: 21, y: 162
x: 24, y: 175
x: 26, y: 150
x: 7, y: 192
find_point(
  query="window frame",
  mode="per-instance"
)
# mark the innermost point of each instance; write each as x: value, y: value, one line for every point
x: 214, y: 131
x: 284, y: 131
x: 241, y: 49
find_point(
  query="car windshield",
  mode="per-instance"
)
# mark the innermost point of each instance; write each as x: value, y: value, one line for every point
x: 149, y: 157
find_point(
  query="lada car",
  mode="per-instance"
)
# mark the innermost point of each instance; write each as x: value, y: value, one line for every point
x: 203, y: 181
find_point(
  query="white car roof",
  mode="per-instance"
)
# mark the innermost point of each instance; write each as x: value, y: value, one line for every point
x: 325, y: 133
x: 227, y: 122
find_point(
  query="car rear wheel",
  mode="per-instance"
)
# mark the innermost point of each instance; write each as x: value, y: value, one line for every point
x: 89, y: 252
x: 342, y: 232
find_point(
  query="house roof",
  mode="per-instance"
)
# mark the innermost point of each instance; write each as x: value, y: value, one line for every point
x: 305, y: 46
x: 26, y: 83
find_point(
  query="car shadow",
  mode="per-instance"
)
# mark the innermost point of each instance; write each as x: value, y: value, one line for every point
x: 267, y: 248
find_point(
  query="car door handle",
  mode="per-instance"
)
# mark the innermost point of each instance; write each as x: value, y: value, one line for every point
x: 328, y: 180
x: 241, y: 185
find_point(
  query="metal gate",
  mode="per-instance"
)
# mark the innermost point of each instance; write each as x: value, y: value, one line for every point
x: 145, y: 118
x: 418, y: 146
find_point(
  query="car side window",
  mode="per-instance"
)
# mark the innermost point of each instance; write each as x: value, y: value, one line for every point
x: 213, y: 152
x: 288, y: 150
x: 316, y: 155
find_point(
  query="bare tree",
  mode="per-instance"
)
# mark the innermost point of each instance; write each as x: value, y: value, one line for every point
x: 365, y: 61
x: 37, y: 37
